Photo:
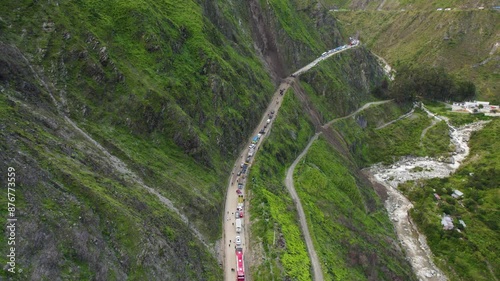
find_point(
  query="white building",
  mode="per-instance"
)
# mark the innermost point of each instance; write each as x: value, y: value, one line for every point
x: 447, y: 222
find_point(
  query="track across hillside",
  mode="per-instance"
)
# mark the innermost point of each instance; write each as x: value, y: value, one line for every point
x: 316, y: 265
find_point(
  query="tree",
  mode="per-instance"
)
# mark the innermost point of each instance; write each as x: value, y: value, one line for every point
x: 432, y: 83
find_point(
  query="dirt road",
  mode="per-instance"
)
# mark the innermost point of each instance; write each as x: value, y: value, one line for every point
x: 316, y: 266
x: 315, y: 263
x: 367, y: 105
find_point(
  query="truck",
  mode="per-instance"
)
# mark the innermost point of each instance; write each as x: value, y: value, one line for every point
x: 244, y: 169
x: 238, y: 225
x: 240, y: 268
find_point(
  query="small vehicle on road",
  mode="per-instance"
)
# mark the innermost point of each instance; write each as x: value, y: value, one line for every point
x: 238, y: 241
x: 238, y: 191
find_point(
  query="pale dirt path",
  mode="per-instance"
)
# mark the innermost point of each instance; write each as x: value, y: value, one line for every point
x: 379, y: 8
x: 367, y: 105
x: 424, y: 131
x: 316, y: 265
x: 114, y: 161
x: 396, y: 120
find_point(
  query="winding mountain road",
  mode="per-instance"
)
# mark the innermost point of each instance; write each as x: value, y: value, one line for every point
x: 316, y: 265
x: 229, y: 234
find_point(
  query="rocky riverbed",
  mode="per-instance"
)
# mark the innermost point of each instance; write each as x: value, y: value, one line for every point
x: 413, y: 168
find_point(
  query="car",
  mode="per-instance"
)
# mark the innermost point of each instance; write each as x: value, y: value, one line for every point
x: 262, y: 131
x: 240, y: 186
x: 248, y: 159
x: 238, y: 191
x: 265, y: 126
x: 239, y: 173
x: 238, y: 241
x: 237, y: 214
x: 272, y: 111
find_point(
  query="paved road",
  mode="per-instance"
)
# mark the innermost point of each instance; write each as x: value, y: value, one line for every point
x: 229, y: 235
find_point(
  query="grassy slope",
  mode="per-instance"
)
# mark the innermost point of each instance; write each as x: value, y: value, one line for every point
x: 340, y: 84
x: 169, y: 95
x: 75, y: 212
x: 417, y: 36
x: 278, y: 248
x: 402, y: 138
x: 353, y: 243
x: 273, y: 211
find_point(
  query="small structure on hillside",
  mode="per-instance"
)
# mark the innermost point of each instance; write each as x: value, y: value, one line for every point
x: 437, y: 197
x: 462, y: 223
x: 457, y: 194
x: 447, y: 222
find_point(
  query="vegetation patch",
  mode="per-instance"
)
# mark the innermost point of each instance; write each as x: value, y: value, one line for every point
x: 470, y: 251
x: 274, y: 217
x: 353, y: 237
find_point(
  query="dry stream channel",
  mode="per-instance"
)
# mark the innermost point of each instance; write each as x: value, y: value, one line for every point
x: 397, y: 205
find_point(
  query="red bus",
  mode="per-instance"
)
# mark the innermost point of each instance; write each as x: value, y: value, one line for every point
x: 240, y: 268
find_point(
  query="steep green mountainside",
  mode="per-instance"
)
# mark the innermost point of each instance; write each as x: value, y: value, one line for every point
x: 370, y: 145
x: 465, y: 42
x: 351, y: 232
x: 122, y: 120
x: 364, y: 248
